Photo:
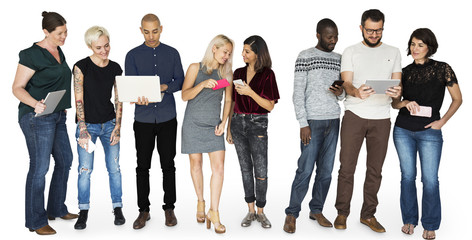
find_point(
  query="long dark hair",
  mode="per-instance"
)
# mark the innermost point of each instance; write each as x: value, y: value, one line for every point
x: 259, y: 47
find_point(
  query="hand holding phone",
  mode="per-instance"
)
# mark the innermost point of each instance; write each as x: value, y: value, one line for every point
x: 90, y: 146
x: 424, y: 111
x: 238, y: 82
x: 338, y: 83
x: 221, y: 84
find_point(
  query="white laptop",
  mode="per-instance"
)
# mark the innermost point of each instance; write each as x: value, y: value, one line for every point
x: 381, y: 86
x: 51, y: 101
x: 132, y: 87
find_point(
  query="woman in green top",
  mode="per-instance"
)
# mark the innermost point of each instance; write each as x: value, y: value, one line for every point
x: 42, y: 69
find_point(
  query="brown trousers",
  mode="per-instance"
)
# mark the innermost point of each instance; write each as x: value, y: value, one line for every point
x: 353, y: 131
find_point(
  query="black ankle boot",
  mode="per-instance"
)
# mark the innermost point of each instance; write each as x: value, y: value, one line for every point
x: 82, y: 220
x: 119, y: 218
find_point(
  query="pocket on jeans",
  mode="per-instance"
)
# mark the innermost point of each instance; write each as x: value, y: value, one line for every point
x: 260, y: 121
x: 438, y: 131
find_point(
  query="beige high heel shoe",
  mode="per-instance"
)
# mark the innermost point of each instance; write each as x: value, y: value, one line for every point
x: 201, y: 211
x: 214, y: 217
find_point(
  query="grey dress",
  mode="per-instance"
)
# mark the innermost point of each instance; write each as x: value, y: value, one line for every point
x: 202, y: 115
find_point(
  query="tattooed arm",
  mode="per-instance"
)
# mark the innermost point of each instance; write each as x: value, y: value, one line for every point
x: 84, y: 136
x: 115, y: 135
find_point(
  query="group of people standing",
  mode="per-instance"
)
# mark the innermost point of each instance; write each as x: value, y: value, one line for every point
x: 367, y: 116
x: 42, y: 69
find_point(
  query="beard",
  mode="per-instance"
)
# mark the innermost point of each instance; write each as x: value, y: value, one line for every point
x: 326, y: 46
x: 371, y: 44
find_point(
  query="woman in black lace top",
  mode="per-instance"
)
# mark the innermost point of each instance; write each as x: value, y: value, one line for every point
x: 418, y: 129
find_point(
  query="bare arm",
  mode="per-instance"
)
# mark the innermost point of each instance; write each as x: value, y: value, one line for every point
x: 362, y: 92
x: 229, y: 136
x: 398, y: 103
x: 395, y: 92
x: 219, y: 130
x: 84, y: 136
x: 189, y: 91
x: 456, y: 96
x: 22, y: 77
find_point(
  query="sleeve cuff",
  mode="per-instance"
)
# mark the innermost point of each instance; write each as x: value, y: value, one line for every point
x: 303, y: 123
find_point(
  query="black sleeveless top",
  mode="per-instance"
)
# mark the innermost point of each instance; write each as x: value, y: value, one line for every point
x: 98, y: 85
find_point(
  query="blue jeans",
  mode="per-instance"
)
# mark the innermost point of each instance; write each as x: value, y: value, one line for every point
x: 321, y: 150
x: 428, y: 144
x: 46, y: 135
x: 112, y: 157
x: 249, y: 132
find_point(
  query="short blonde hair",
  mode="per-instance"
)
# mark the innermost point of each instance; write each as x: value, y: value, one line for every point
x: 225, y: 70
x: 94, y: 33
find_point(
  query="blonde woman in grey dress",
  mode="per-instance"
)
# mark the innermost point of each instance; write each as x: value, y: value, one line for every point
x: 202, y: 129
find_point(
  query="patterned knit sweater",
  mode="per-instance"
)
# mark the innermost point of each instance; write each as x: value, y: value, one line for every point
x: 315, y: 71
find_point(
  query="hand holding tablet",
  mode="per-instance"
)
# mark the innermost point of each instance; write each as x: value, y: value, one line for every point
x: 382, y: 86
x: 50, y: 102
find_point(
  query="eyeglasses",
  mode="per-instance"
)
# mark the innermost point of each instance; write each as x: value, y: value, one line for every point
x: 371, y: 31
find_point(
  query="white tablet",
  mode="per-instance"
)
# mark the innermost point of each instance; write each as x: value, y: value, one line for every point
x: 132, y: 87
x: 381, y: 86
x: 51, y: 101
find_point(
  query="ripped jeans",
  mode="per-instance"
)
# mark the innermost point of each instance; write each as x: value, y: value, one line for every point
x: 112, y: 157
x: 249, y: 132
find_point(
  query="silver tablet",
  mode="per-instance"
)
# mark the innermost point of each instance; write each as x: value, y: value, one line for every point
x: 381, y: 86
x: 132, y: 87
x: 51, y: 101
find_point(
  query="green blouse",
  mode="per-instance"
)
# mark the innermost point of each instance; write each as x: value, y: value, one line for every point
x: 49, y: 76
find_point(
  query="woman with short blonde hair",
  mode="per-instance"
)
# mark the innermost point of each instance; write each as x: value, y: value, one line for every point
x: 97, y: 118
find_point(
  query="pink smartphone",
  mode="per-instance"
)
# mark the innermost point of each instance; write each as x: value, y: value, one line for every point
x: 221, y: 84
x: 424, y: 111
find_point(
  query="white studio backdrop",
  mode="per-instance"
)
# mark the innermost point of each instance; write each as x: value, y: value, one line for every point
x: 288, y: 28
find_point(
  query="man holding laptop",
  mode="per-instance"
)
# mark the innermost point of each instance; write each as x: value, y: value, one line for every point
x: 367, y: 116
x: 155, y: 122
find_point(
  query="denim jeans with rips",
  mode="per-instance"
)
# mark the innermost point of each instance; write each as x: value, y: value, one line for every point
x: 249, y: 132
x: 112, y: 161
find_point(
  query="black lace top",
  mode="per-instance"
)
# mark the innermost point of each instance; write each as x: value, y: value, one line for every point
x: 426, y: 85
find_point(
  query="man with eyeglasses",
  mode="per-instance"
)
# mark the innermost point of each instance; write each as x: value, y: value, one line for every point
x: 367, y: 116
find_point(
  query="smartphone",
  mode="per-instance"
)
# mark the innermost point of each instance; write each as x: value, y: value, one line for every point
x: 424, y: 111
x: 91, y: 146
x: 337, y: 82
x: 221, y: 84
x: 238, y: 82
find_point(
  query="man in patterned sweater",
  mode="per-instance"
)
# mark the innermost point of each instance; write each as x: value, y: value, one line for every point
x: 317, y: 111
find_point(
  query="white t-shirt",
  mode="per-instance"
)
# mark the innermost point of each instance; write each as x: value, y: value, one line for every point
x: 370, y: 63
